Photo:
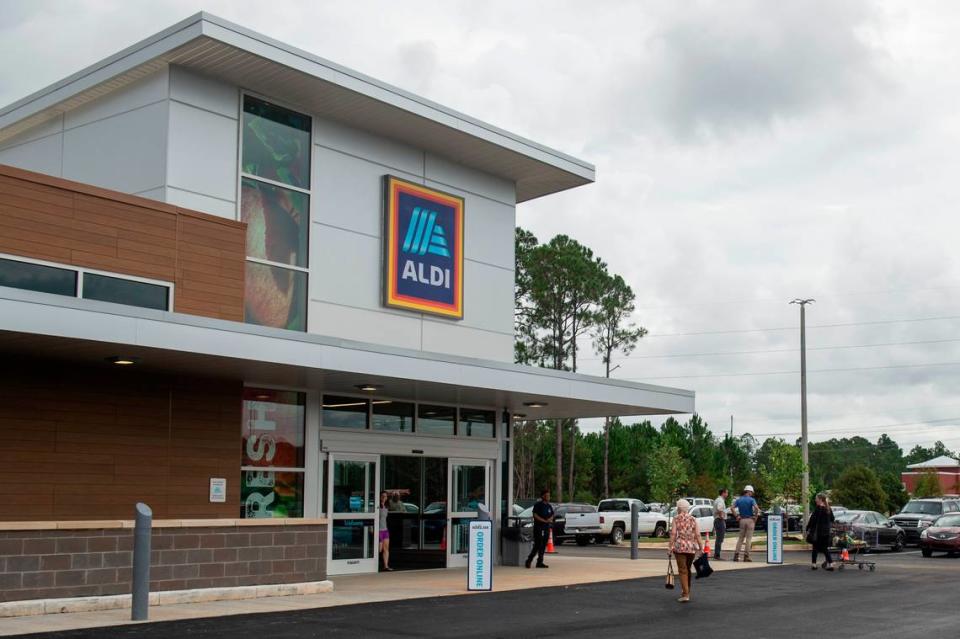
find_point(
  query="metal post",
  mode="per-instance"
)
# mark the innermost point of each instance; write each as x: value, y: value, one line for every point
x: 141, y: 563
x: 634, y: 525
x: 804, y: 450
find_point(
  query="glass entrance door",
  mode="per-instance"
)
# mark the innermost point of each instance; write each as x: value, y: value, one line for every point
x: 416, y: 488
x: 468, y: 486
x: 352, y: 504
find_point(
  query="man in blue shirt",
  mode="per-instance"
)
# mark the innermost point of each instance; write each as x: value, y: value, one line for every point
x: 542, y: 522
x: 746, y: 511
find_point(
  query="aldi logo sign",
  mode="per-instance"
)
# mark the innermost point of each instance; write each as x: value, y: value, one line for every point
x: 423, y: 234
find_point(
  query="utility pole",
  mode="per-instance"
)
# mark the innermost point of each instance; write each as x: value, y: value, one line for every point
x: 730, y: 461
x: 804, y: 450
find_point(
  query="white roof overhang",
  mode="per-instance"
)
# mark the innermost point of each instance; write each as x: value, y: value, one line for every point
x: 210, y: 45
x: 77, y: 331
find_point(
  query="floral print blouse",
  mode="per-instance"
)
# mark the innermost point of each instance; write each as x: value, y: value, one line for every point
x: 686, y: 537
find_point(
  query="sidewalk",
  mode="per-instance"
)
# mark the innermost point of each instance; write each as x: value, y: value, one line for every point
x: 356, y: 589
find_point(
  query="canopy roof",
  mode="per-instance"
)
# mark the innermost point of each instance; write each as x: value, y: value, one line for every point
x: 41, y: 325
x: 216, y: 47
x: 937, y: 462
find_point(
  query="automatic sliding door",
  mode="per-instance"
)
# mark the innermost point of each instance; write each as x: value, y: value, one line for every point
x: 352, y: 504
x: 469, y: 487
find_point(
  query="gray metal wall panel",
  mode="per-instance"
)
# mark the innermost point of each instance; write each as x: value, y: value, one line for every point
x: 125, y: 152
x: 375, y: 326
x: 457, y: 339
x: 487, y: 297
x: 148, y: 90
x: 346, y: 267
x: 202, y: 156
x: 204, y: 92
x: 444, y: 171
x: 41, y: 155
x: 489, y: 228
x: 390, y: 154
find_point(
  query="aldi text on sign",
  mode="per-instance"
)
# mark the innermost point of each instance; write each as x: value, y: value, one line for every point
x: 423, y: 235
x: 480, y: 556
x: 775, y: 539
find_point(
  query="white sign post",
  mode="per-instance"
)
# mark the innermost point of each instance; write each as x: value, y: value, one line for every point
x: 480, y: 556
x: 775, y: 539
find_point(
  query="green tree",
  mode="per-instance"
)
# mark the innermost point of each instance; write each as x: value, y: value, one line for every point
x: 928, y: 485
x: 526, y: 346
x: 613, y: 332
x: 893, y: 489
x: 669, y: 473
x: 859, y: 488
x: 781, y: 470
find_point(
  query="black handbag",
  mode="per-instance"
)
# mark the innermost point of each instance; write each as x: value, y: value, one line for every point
x: 702, y: 566
x: 669, y: 585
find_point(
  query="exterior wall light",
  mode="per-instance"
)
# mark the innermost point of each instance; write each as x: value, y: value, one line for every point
x: 368, y: 388
x: 534, y: 404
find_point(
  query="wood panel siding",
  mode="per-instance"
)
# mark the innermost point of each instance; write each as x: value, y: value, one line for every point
x: 88, y: 443
x: 56, y: 220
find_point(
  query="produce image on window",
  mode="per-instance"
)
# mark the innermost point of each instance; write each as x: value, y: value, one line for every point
x: 267, y: 493
x: 277, y: 221
x: 275, y: 297
x: 276, y: 143
x: 273, y: 428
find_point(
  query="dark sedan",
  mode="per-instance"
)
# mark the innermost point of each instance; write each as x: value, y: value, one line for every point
x: 871, y: 529
x: 942, y: 536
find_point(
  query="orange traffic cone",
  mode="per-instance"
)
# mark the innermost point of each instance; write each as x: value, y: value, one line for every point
x: 845, y: 555
x: 706, y: 545
x: 550, y: 549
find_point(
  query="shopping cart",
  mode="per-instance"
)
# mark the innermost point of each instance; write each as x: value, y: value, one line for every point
x: 851, y: 543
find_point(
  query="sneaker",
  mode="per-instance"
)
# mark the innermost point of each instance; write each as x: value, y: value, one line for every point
x: 748, y: 559
x: 813, y: 567
x: 829, y: 568
x: 542, y: 566
x: 736, y: 557
x: 528, y: 562
x: 684, y: 599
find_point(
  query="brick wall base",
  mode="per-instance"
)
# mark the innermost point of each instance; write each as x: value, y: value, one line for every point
x: 39, y: 564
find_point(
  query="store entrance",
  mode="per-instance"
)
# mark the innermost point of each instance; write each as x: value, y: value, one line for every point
x: 417, y: 511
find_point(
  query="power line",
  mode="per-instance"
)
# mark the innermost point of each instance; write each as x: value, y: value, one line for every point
x: 778, y: 350
x: 795, y: 372
x: 868, y: 429
x: 793, y: 328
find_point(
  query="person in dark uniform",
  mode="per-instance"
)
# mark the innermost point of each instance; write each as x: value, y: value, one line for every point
x: 542, y: 522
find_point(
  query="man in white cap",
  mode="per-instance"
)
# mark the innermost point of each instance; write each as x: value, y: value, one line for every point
x: 747, y: 511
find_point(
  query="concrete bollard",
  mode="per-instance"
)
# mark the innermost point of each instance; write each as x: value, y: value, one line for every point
x: 141, y: 563
x: 634, y: 524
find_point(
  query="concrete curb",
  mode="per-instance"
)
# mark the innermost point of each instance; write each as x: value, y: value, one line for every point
x: 164, y: 598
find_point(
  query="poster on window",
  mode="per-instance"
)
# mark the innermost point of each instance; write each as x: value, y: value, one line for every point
x: 273, y: 426
x: 268, y: 493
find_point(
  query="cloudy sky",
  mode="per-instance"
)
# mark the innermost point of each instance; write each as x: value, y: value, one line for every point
x: 747, y: 153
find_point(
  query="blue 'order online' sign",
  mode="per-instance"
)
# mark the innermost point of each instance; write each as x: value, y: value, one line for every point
x: 480, y: 555
x: 423, y: 249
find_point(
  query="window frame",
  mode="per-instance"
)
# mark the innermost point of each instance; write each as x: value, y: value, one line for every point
x: 81, y: 270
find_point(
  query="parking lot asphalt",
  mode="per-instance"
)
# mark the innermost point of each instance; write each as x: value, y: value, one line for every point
x: 906, y: 596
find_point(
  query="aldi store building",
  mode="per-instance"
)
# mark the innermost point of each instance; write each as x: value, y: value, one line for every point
x: 252, y: 289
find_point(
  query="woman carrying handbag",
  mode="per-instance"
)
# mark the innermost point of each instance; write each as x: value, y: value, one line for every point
x: 685, y: 545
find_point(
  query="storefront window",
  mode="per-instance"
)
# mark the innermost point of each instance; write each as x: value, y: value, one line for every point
x: 276, y: 143
x: 276, y: 152
x: 275, y: 297
x: 271, y: 483
x: 393, y: 416
x: 436, y: 420
x: 477, y: 423
x: 129, y: 292
x: 345, y: 412
x: 37, y: 277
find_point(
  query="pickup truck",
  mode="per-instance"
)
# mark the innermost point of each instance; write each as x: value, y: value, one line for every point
x: 612, y: 522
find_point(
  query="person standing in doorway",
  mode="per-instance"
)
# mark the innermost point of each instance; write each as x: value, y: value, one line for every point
x: 542, y: 523
x: 719, y: 522
x: 819, y: 532
x: 384, y: 532
x: 747, y: 511
x: 685, y: 544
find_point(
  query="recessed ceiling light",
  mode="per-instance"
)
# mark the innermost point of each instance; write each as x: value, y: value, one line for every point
x: 368, y: 388
x: 534, y: 404
x: 123, y: 360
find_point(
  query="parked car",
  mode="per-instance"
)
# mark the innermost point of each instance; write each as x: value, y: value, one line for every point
x: 611, y: 522
x: 699, y: 501
x: 943, y: 535
x: 875, y: 530
x: 703, y: 515
x: 657, y: 507
x: 560, y: 513
x: 919, y: 514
